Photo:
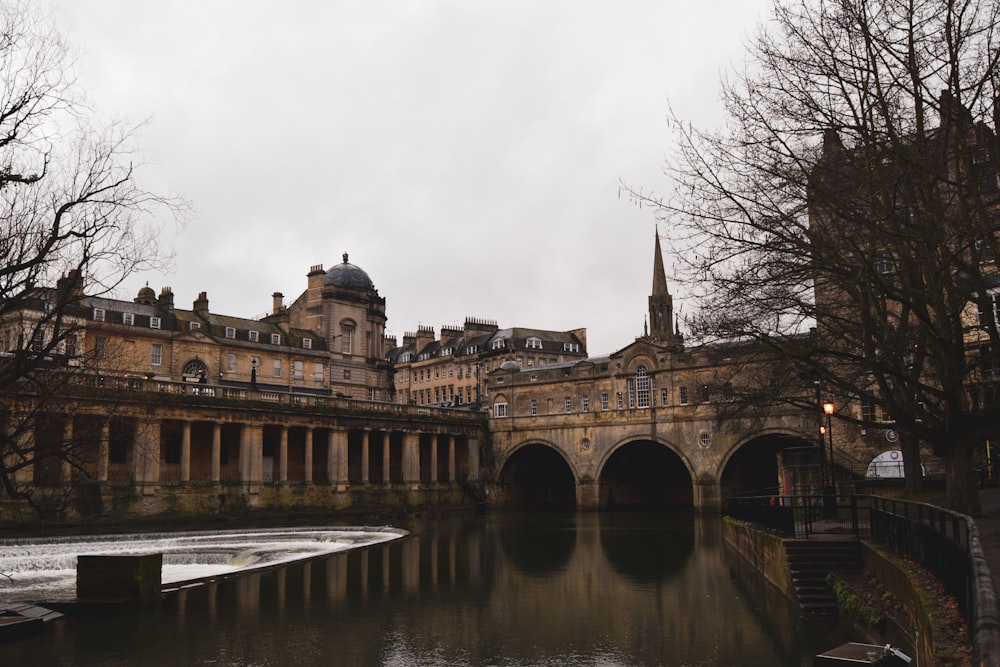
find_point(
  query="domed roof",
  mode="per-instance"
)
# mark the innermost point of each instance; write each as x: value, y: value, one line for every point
x: 146, y: 295
x: 348, y: 275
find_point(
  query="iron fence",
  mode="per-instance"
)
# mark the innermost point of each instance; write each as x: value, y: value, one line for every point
x: 935, y: 538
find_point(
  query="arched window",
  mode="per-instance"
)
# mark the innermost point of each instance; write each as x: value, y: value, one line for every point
x: 639, y: 388
x: 195, y: 368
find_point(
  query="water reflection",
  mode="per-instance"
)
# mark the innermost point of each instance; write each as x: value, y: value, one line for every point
x: 557, y: 590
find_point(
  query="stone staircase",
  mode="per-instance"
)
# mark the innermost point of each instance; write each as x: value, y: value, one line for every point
x: 810, y: 561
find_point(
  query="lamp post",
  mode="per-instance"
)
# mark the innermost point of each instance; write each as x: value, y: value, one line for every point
x: 828, y: 409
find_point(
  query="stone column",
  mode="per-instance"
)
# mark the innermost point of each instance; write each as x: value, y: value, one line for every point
x: 337, y: 459
x: 386, y: 458
x: 473, y: 459
x: 104, y: 452
x: 411, y: 457
x: 66, y: 466
x: 451, y: 459
x: 308, y: 457
x: 434, y: 457
x: 256, y: 453
x: 147, y: 454
x: 185, y: 451
x: 216, y: 452
x: 365, y: 444
x: 283, y: 456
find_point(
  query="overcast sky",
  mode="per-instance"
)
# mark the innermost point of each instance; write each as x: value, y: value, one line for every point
x: 466, y: 154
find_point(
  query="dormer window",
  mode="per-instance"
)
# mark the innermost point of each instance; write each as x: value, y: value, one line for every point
x: 99, y: 314
x: 533, y: 343
x: 154, y: 322
x: 307, y: 343
x: 254, y: 336
x: 275, y: 339
x: 128, y: 318
x: 571, y: 347
x: 230, y: 332
x: 472, y: 349
x: 194, y: 325
x: 499, y: 344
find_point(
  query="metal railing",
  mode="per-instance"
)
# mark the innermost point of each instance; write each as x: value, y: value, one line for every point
x: 938, y: 540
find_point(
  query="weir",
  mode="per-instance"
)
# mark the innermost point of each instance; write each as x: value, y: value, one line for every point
x: 46, y: 568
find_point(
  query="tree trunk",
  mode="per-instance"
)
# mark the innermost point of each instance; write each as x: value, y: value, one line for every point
x: 960, y: 482
x: 912, y: 464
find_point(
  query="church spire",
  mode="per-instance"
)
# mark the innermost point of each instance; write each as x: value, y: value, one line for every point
x: 661, y: 304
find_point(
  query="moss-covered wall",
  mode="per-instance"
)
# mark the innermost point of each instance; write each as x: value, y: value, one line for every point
x: 764, y: 552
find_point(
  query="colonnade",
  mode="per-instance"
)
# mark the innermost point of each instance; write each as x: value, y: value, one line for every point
x: 153, y: 451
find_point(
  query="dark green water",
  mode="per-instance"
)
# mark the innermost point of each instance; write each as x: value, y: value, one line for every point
x: 573, y: 589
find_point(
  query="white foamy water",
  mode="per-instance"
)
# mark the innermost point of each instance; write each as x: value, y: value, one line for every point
x: 45, y: 569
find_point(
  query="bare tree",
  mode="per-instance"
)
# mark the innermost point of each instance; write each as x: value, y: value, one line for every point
x: 853, y: 191
x: 73, y: 219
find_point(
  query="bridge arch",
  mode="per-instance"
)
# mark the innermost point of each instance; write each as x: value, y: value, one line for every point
x: 644, y: 473
x: 767, y: 462
x: 537, y: 475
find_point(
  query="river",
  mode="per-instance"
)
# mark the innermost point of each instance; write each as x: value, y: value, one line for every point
x: 544, y: 590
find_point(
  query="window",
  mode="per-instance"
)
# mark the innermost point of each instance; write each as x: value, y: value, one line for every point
x: 683, y: 391
x: 128, y: 318
x: 585, y: 403
x: 297, y: 370
x: 194, y: 325
x: 318, y: 372
x: 640, y: 389
x: 99, y: 314
x: 620, y: 400
x: 498, y: 344
x: 230, y: 332
x: 884, y: 262
x: 534, y: 407
x: 154, y: 322
x: 156, y: 354
x: 705, y: 393
x: 500, y: 409
x: 986, y: 317
x: 100, y: 346
x: 347, y: 373
x: 371, y: 393
x: 254, y: 336
x: 604, y: 401
x: 984, y: 251
x: 568, y: 404
x: 275, y: 339
x: 571, y: 347
x: 664, y: 397
x: 472, y: 349
x: 37, y: 341
x: 231, y: 362
x: 533, y: 343
x: 276, y: 363
x: 346, y: 336
x: 72, y: 345
x: 307, y: 343
x: 868, y: 411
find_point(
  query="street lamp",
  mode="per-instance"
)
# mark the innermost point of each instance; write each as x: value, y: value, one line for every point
x: 828, y: 409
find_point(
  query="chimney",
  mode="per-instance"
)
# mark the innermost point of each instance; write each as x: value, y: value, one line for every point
x: 201, y: 303
x: 425, y: 336
x: 166, y: 300
x: 70, y: 286
x: 277, y: 303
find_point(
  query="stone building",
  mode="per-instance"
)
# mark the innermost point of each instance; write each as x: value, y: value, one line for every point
x: 451, y: 370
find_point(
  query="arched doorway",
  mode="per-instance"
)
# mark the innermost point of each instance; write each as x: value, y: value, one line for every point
x: 536, y: 476
x: 645, y: 475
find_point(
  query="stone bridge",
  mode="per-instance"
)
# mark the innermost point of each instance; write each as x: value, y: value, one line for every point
x: 678, y: 456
